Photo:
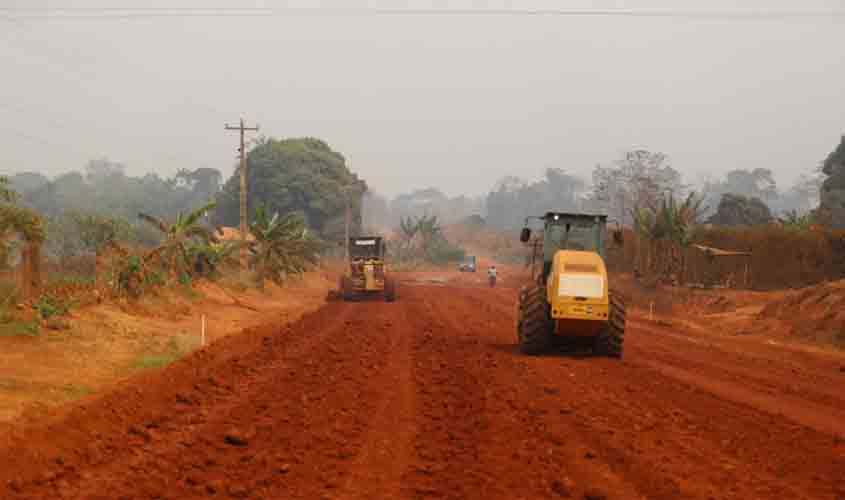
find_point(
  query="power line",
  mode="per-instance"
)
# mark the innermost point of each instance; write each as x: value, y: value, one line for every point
x: 94, y: 13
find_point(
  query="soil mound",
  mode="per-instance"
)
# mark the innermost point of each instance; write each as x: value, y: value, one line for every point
x: 816, y: 313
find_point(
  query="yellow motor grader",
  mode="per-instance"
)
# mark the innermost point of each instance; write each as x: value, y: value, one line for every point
x: 568, y: 303
x: 366, y: 270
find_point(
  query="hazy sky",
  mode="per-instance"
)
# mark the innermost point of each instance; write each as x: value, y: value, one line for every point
x: 454, y: 102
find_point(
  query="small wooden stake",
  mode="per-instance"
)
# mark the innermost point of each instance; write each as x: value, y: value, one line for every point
x: 202, y: 342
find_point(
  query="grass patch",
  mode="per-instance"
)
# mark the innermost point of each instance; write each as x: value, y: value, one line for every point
x: 19, y: 329
x: 187, y: 291
x: 154, y: 362
x: 239, y: 281
x: 75, y: 391
x: 177, y: 348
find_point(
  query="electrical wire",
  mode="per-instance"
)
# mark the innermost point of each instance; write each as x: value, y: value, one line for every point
x: 95, y: 13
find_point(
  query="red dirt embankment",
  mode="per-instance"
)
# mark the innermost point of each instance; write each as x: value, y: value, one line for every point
x: 428, y: 398
x: 111, y: 341
x: 816, y: 313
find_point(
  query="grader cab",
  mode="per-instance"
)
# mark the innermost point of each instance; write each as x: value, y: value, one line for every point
x: 366, y: 270
x: 569, y: 303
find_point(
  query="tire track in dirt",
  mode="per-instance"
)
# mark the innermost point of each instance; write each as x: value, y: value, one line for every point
x: 385, y: 454
x: 678, y: 440
x: 503, y: 445
x: 451, y: 404
x: 806, y: 397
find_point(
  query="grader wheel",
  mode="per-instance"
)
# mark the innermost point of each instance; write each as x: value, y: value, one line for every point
x: 534, y: 327
x: 346, y: 291
x: 610, y: 341
x: 389, y: 290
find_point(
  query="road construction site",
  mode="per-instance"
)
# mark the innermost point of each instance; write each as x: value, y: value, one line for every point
x: 429, y: 397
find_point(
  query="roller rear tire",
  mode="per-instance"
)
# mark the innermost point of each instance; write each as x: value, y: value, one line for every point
x: 611, y: 340
x: 534, y: 327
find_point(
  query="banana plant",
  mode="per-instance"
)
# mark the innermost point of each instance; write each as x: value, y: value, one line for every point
x: 794, y: 221
x: 283, y: 245
x: 178, y: 237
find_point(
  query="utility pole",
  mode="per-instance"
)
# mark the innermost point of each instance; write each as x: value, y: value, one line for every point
x: 242, y: 151
x: 348, y: 223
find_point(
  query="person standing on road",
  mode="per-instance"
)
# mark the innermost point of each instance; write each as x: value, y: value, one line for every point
x: 491, y: 275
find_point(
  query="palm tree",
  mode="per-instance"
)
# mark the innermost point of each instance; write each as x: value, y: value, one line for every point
x: 282, y: 245
x: 794, y: 221
x: 430, y: 231
x: 668, y: 225
x: 207, y: 257
x: 177, y: 238
x: 409, y: 228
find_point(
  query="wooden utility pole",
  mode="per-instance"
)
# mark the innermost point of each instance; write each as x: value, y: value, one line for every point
x: 348, y: 223
x: 242, y: 151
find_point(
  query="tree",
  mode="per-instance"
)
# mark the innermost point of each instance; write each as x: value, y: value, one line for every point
x: 27, y: 182
x: 429, y: 229
x: 375, y: 212
x: 757, y: 183
x: 835, y: 161
x: 282, y: 246
x: 177, y: 238
x: 204, y: 183
x: 75, y: 233
x: 737, y: 210
x: 667, y: 227
x: 514, y: 200
x: 636, y: 181
x: 21, y: 222
x: 409, y: 228
x: 796, y: 221
x: 832, y: 208
x: 296, y: 176
x: 104, y: 171
x: 7, y: 192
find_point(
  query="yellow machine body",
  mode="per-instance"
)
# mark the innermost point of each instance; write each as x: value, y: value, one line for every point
x: 568, y: 304
x: 367, y: 275
x: 577, y: 292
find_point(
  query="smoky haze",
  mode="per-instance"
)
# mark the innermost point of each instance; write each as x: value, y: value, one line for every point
x: 454, y: 102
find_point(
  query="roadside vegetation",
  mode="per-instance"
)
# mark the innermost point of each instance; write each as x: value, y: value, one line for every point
x: 422, y: 241
x: 102, y: 235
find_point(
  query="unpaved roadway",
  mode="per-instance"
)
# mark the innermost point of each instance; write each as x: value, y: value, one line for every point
x: 428, y: 398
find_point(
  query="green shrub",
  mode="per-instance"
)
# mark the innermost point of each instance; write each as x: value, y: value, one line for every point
x: 19, y: 329
x: 49, y: 306
x: 441, y: 251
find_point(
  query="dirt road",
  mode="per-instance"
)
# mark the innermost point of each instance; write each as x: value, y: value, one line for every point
x: 427, y: 398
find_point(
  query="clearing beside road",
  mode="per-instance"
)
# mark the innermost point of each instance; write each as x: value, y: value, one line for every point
x: 108, y: 342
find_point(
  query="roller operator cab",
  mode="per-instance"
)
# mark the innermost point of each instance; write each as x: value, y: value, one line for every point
x: 366, y: 271
x: 569, y: 304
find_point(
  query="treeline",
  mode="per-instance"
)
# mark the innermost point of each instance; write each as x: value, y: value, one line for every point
x: 80, y: 210
x: 636, y: 180
x: 102, y: 195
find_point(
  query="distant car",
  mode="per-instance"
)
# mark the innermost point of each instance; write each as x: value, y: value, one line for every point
x: 468, y: 265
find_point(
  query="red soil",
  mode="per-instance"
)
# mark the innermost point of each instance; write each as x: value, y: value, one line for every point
x: 428, y: 398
